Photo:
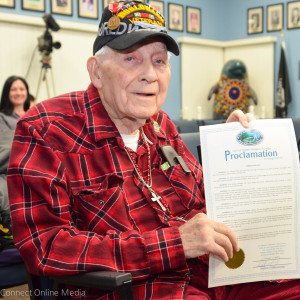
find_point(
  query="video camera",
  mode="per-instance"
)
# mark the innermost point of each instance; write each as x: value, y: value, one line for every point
x: 45, y: 42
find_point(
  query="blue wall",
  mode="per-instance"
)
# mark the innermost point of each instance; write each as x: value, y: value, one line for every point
x: 220, y: 20
x: 227, y: 20
x: 236, y: 28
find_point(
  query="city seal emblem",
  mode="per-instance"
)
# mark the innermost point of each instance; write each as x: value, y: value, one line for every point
x: 249, y: 138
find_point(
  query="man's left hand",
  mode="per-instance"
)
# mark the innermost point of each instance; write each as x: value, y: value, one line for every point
x: 239, y: 116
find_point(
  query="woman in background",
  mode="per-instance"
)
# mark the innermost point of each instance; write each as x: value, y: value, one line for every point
x: 14, y: 103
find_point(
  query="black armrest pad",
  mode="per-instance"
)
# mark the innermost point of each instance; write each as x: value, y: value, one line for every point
x: 98, y: 279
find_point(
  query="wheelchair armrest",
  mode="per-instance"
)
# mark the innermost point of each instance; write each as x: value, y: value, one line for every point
x: 105, y: 280
x: 97, y: 279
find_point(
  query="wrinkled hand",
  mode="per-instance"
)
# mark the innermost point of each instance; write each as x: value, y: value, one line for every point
x: 239, y: 116
x: 200, y: 236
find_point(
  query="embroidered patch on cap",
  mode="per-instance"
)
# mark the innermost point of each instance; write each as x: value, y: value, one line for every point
x: 131, y: 17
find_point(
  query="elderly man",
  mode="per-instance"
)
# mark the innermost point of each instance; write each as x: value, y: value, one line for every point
x: 90, y: 188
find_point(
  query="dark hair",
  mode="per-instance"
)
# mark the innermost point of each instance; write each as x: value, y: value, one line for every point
x: 31, y: 98
x: 6, y: 106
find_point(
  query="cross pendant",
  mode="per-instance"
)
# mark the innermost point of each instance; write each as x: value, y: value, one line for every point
x: 156, y: 198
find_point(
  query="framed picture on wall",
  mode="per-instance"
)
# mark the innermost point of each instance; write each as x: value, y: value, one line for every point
x: 274, y: 17
x: 88, y: 9
x: 175, y: 17
x: 7, y: 3
x: 255, y: 20
x: 35, y: 5
x: 293, y: 15
x: 193, y: 19
x: 158, y: 5
x: 62, y: 7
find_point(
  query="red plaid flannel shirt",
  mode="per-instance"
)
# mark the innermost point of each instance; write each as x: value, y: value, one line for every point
x: 77, y: 204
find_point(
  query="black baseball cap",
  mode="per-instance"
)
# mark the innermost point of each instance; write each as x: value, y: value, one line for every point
x: 125, y: 24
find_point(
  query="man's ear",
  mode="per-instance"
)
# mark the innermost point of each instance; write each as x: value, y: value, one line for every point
x: 94, y: 72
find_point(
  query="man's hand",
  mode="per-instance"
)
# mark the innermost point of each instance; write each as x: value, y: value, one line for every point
x: 202, y: 236
x: 239, y: 116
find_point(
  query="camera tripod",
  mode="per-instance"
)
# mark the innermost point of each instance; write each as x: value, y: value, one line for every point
x: 46, y: 60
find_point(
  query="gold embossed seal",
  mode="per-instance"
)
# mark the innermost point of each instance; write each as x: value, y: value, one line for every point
x: 113, y: 22
x: 237, y: 260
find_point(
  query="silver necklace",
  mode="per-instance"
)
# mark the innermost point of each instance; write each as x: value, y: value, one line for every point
x: 154, y: 198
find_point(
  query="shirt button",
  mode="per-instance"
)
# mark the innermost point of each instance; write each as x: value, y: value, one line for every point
x: 101, y: 202
x: 181, y: 286
x: 187, y: 275
x: 166, y: 218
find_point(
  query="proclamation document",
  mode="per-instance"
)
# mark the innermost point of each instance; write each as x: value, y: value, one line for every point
x: 252, y: 184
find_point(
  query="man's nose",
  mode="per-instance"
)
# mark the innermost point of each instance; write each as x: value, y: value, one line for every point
x: 148, y: 73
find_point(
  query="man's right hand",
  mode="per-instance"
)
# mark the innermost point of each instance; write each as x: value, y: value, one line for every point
x: 200, y: 236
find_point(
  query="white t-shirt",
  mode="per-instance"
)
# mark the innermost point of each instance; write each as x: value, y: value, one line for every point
x: 131, y: 140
